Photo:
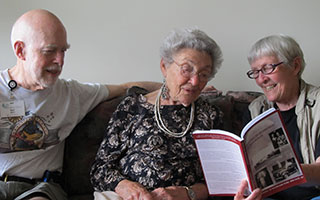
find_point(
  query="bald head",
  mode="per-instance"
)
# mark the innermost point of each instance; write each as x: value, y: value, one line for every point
x: 34, y: 24
x: 39, y: 41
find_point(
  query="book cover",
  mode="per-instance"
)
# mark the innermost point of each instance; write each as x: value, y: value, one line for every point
x: 263, y: 155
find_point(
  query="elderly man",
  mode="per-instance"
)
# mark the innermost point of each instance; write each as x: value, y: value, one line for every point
x: 39, y: 110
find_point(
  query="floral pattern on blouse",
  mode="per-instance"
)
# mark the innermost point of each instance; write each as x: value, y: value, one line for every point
x: 134, y: 148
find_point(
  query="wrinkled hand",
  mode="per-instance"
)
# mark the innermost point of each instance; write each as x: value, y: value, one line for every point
x: 129, y: 190
x: 255, y: 195
x: 170, y: 193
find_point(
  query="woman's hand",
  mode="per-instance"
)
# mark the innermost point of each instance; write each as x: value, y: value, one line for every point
x: 129, y: 190
x: 255, y: 195
x: 170, y: 193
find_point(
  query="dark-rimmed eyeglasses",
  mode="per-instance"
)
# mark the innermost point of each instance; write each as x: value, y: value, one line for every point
x: 266, y: 69
x: 188, y: 71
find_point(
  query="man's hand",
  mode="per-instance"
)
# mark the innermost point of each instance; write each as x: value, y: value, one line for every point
x: 255, y: 195
x: 129, y: 190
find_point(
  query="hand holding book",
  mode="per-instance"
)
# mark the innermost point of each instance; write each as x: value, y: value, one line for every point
x: 263, y: 155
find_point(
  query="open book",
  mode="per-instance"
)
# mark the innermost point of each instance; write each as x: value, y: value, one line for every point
x: 263, y: 155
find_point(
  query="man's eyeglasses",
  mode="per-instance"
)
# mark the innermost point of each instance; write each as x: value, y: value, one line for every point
x: 188, y: 71
x: 267, y: 69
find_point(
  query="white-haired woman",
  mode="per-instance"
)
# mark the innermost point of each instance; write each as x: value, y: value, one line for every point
x: 148, y: 151
x: 277, y: 64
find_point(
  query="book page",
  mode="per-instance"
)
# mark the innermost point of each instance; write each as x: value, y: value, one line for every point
x: 270, y: 156
x: 221, y: 159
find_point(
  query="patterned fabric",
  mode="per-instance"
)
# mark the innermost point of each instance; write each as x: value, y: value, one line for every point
x: 134, y: 148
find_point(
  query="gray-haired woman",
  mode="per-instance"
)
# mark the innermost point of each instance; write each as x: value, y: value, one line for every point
x: 148, y: 151
x: 276, y: 65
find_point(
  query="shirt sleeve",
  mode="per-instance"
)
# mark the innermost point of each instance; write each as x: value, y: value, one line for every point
x: 87, y: 95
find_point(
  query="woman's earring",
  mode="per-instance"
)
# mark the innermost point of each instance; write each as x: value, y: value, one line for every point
x: 165, y: 91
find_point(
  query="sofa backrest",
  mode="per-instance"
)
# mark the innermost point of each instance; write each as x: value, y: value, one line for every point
x: 233, y: 104
x: 82, y: 145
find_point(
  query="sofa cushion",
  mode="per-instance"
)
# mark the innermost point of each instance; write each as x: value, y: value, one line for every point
x: 233, y: 105
x: 225, y: 103
x: 241, y: 101
x: 81, y: 148
x: 82, y: 145
x: 244, y: 96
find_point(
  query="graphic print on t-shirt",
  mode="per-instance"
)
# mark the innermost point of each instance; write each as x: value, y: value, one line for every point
x: 26, y: 133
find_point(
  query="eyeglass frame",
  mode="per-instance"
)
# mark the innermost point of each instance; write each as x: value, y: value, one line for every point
x: 194, y: 72
x: 250, y: 73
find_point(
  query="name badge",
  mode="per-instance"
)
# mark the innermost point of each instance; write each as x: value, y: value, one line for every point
x: 12, y: 108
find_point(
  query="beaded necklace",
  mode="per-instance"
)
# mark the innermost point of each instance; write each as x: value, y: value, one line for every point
x: 160, y: 121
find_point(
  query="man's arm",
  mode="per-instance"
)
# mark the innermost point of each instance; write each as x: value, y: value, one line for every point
x: 117, y: 90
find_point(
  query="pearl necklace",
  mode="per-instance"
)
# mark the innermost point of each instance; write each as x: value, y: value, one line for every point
x: 160, y: 122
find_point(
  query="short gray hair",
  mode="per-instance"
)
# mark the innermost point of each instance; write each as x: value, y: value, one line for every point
x: 284, y: 47
x: 194, y: 39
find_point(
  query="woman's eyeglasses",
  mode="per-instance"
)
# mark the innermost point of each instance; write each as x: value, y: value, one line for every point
x: 188, y: 71
x: 266, y: 69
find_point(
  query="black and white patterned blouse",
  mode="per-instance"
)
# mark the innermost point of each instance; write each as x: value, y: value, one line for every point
x: 134, y: 148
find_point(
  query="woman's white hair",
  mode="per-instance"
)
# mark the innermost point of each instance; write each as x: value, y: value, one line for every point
x: 192, y: 38
x: 284, y: 47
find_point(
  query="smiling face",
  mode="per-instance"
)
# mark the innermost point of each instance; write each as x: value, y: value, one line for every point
x: 183, y: 90
x: 282, y: 85
x: 45, y: 55
x: 45, y: 58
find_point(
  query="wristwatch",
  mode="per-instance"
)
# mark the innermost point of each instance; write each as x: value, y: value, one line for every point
x: 191, y: 193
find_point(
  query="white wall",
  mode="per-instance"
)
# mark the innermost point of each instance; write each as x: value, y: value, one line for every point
x: 114, y: 41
